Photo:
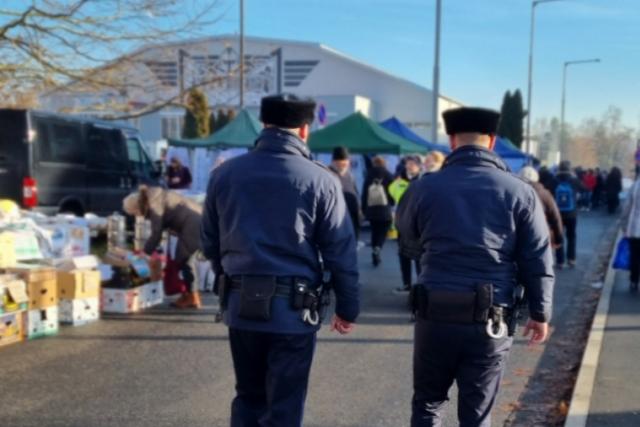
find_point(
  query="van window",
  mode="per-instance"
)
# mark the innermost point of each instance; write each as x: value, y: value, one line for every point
x: 107, y: 150
x: 63, y: 143
x: 135, y: 159
x: 13, y: 135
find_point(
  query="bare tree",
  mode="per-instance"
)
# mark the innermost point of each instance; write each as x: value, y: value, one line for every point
x: 85, y: 46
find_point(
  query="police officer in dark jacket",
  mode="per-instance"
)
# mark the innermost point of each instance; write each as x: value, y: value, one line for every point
x: 271, y: 217
x: 483, y: 231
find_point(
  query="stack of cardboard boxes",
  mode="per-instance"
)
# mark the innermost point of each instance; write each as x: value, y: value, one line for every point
x: 42, y: 290
x: 79, y: 291
x: 13, y: 304
x: 134, y: 286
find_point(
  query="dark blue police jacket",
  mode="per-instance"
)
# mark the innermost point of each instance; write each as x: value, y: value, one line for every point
x: 478, y: 223
x: 274, y: 212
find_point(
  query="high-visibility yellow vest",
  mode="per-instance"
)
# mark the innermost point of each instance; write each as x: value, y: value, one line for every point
x: 397, y: 189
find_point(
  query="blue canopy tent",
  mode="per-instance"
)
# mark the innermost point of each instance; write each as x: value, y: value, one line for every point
x: 512, y: 156
x: 396, y: 126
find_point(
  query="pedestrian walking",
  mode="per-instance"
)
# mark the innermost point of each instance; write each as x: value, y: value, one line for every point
x: 565, y: 192
x: 377, y: 203
x: 408, y: 254
x: 631, y: 229
x: 598, y: 190
x: 170, y: 211
x: 589, y: 181
x: 483, y: 230
x: 341, y: 166
x: 547, y: 179
x: 433, y: 162
x: 613, y: 186
x: 178, y: 175
x: 551, y: 212
x: 273, y: 222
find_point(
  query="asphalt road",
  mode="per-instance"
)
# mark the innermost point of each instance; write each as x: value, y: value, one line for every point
x: 169, y: 368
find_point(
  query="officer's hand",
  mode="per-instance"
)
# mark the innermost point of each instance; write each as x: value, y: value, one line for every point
x: 342, y: 326
x: 538, y: 331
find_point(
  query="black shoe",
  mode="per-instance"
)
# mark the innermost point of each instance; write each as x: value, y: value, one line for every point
x: 403, y: 289
x: 375, y: 257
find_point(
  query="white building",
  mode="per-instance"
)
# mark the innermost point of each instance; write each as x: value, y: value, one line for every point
x: 340, y: 84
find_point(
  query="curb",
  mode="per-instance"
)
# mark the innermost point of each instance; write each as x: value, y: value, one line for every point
x: 583, y: 390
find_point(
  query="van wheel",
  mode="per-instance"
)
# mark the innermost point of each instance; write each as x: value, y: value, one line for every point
x: 73, y: 208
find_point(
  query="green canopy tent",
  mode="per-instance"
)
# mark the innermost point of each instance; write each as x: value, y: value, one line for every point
x: 361, y: 135
x: 241, y: 132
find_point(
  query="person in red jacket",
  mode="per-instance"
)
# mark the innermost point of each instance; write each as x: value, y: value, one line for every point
x: 589, y: 180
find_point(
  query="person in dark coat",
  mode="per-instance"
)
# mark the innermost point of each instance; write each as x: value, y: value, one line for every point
x: 483, y: 231
x: 178, y: 175
x: 340, y: 165
x: 547, y: 179
x: 551, y: 212
x: 567, y: 203
x: 274, y: 221
x: 377, y: 203
x: 598, y: 191
x: 170, y: 211
x: 613, y: 187
x: 407, y: 253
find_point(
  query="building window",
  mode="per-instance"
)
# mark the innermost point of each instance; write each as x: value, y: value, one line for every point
x: 172, y: 127
x: 165, y: 71
x: 296, y: 71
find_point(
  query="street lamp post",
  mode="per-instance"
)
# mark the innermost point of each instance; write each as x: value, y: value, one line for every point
x: 241, y: 54
x: 534, y: 3
x: 564, y: 93
x: 436, y: 77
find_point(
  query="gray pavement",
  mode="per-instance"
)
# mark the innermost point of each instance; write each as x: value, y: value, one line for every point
x: 616, y: 395
x: 170, y: 368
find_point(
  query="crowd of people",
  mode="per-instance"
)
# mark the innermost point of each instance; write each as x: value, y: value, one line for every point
x: 381, y: 193
x: 564, y: 192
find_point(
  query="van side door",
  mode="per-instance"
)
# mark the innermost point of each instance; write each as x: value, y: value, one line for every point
x: 59, y: 165
x: 108, y: 176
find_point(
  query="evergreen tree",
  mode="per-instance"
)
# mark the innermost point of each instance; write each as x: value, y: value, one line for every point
x: 512, y: 116
x: 196, y: 120
x: 222, y: 119
x: 213, y: 123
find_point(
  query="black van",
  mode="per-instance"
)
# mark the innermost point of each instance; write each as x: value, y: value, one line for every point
x: 58, y: 163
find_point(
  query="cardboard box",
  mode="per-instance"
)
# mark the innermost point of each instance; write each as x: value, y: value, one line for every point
x: 41, y: 323
x: 78, y: 312
x: 67, y: 240
x: 41, y: 283
x: 79, y: 284
x: 87, y: 262
x: 11, y: 330
x: 7, y: 250
x: 13, y: 294
x: 152, y: 294
x: 121, y: 300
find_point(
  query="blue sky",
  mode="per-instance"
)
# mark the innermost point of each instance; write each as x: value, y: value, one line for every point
x: 484, y: 45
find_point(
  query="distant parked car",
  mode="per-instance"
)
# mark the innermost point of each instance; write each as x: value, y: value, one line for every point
x: 58, y: 163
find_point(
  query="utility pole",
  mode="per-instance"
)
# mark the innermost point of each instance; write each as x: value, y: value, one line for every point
x: 534, y: 3
x: 241, y: 54
x: 436, y: 76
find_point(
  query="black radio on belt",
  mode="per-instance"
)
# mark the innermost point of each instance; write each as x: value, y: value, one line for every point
x: 298, y: 295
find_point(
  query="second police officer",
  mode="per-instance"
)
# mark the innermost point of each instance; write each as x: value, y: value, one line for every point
x: 483, y: 232
x: 273, y: 219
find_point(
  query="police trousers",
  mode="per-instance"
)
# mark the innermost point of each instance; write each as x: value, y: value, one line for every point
x: 272, y: 374
x: 446, y: 352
